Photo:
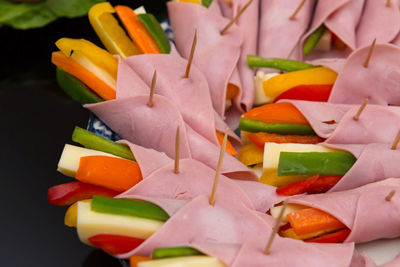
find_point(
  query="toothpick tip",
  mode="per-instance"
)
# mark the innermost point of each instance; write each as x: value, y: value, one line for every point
x: 371, y: 49
x: 360, y: 110
x: 390, y: 195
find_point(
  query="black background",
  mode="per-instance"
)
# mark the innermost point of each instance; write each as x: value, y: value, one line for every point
x: 36, y: 120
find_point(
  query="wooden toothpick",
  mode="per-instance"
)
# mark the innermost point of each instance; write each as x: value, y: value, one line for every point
x: 218, y: 171
x: 293, y: 16
x: 371, y: 49
x: 235, y: 18
x: 191, y: 54
x: 390, y: 195
x: 177, y: 150
x: 153, y: 86
x: 360, y: 110
x: 388, y: 3
x: 396, y: 141
x: 276, y: 228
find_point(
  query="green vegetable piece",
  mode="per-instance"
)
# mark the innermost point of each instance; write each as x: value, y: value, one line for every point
x: 155, y: 30
x: 75, y: 89
x: 251, y: 125
x: 129, y: 207
x: 313, y: 40
x: 311, y: 163
x: 206, y: 3
x: 277, y: 63
x: 172, y: 252
x: 97, y: 142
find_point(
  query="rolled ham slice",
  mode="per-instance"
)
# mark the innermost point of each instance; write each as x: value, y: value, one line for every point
x: 380, y: 82
x: 216, y: 55
x: 341, y: 17
x: 289, y: 252
x: 278, y: 35
x: 378, y: 21
x: 155, y: 127
x: 363, y: 210
x: 228, y: 221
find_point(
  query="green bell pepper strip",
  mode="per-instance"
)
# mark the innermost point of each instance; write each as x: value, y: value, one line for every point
x: 172, y: 252
x: 206, y: 3
x: 251, y: 125
x: 75, y: 89
x: 311, y: 163
x: 277, y: 63
x: 97, y: 142
x: 155, y: 30
x: 313, y: 40
x: 130, y: 207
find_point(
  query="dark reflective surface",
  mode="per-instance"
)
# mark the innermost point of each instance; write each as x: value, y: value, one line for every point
x: 36, y: 120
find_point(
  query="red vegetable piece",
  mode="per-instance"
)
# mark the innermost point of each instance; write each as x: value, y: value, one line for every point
x: 115, y: 244
x: 336, y: 237
x: 311, y: 185
x: 69, y: 193
x: 323, y: 184
x: 314, y: 92
x: 259, y: 139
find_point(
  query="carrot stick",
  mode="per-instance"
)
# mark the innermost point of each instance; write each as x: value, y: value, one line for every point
x: 229, y: 147
x: 114, y: 173
x: 312, y: 220
x: 75, y: 69
x: 277, y: 112
x: 137, y: 31
x: 134, y: 260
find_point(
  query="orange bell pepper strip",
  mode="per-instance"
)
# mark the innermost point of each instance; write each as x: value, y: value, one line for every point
x: 114, y: 173
x: 229, y: 147
x: 310, y: 220
x: 135, y: 259
x: 259, y: 139
x: 335, y: 237
x: 110, y: 33
x: 137, y: 31
x: 75, y: 69
x: 277, y: 112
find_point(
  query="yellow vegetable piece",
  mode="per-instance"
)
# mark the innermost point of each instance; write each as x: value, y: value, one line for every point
x: 276, y: 85
x: 191, y: 1
x: 250, y: 155
x: 292, y: 234
x: 110, y: 32
x: 71, y: 216
x: 270, y: 176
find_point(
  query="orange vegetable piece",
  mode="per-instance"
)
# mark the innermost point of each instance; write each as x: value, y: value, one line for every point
x: 114, y: 173
x: 231, y: 91
x: 137, y: 31
x: 312, y: 220
x: 259, y: 139
x: 229, y: 147
x: 134, y: 260
x: 75, y: 69
x: 278, y: 113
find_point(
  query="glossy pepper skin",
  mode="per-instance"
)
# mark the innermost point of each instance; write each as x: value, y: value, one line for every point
x: 69, y: 193
x: 313, y: 40
x: 311, y: 92
x: 171, y: 252
x: 115, y: 244
x: 259, y: 139
x: 311, y: 185
x: 251, y: 125
x: 286, y: 65
x: 155, y: 30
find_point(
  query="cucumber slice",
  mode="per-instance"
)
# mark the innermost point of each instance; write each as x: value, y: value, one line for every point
x: 161, y: 253
x: 251, y: 125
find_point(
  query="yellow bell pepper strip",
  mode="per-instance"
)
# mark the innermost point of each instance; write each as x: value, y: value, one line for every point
x: 137, y: 31
x: 100, y: 143
x: 313, y: 40
x: 71, y: 216
x: 249, y: 155
x: 155, y: 30
x: 270, y: 177
x: 276, y: 85
x: 110, y: 33
x: 75, y: 89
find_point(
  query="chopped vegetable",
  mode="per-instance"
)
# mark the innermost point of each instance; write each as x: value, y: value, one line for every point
x: 170, y: 252
x: 135, y: 260
x: 278, y: 63
x: 229, y: 147
x: 312, y: 92
x: 270, y: 177
x: 115, y: 244
x: 310, y: 163
x: 97, y: 142
x: 335, y: 237
x: 259, y: 139
x: 312, y: 185
x: 114, y: 173
x: 155, y: 30
x: 313, y: 39
x: 249, y: 154
x: 71, y: 215
x: 251, y: 125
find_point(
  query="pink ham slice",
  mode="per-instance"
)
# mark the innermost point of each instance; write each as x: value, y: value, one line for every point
x: 279, y: 36
x: 155, y: 127
x: 216, y: 55
x: 228, y: 221
x: 363, y: 210
x: 341, y: 17
x: 378, y: 21
x: 289, y: 252
x: 380, y: 82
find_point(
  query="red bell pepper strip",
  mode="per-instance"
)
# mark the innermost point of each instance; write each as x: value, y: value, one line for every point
x: 115, y: 244
x: 312, y: 185
x: 314, y: 92
x: 336, y: 237
x: 69, y: 193
x: 260, y: 138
